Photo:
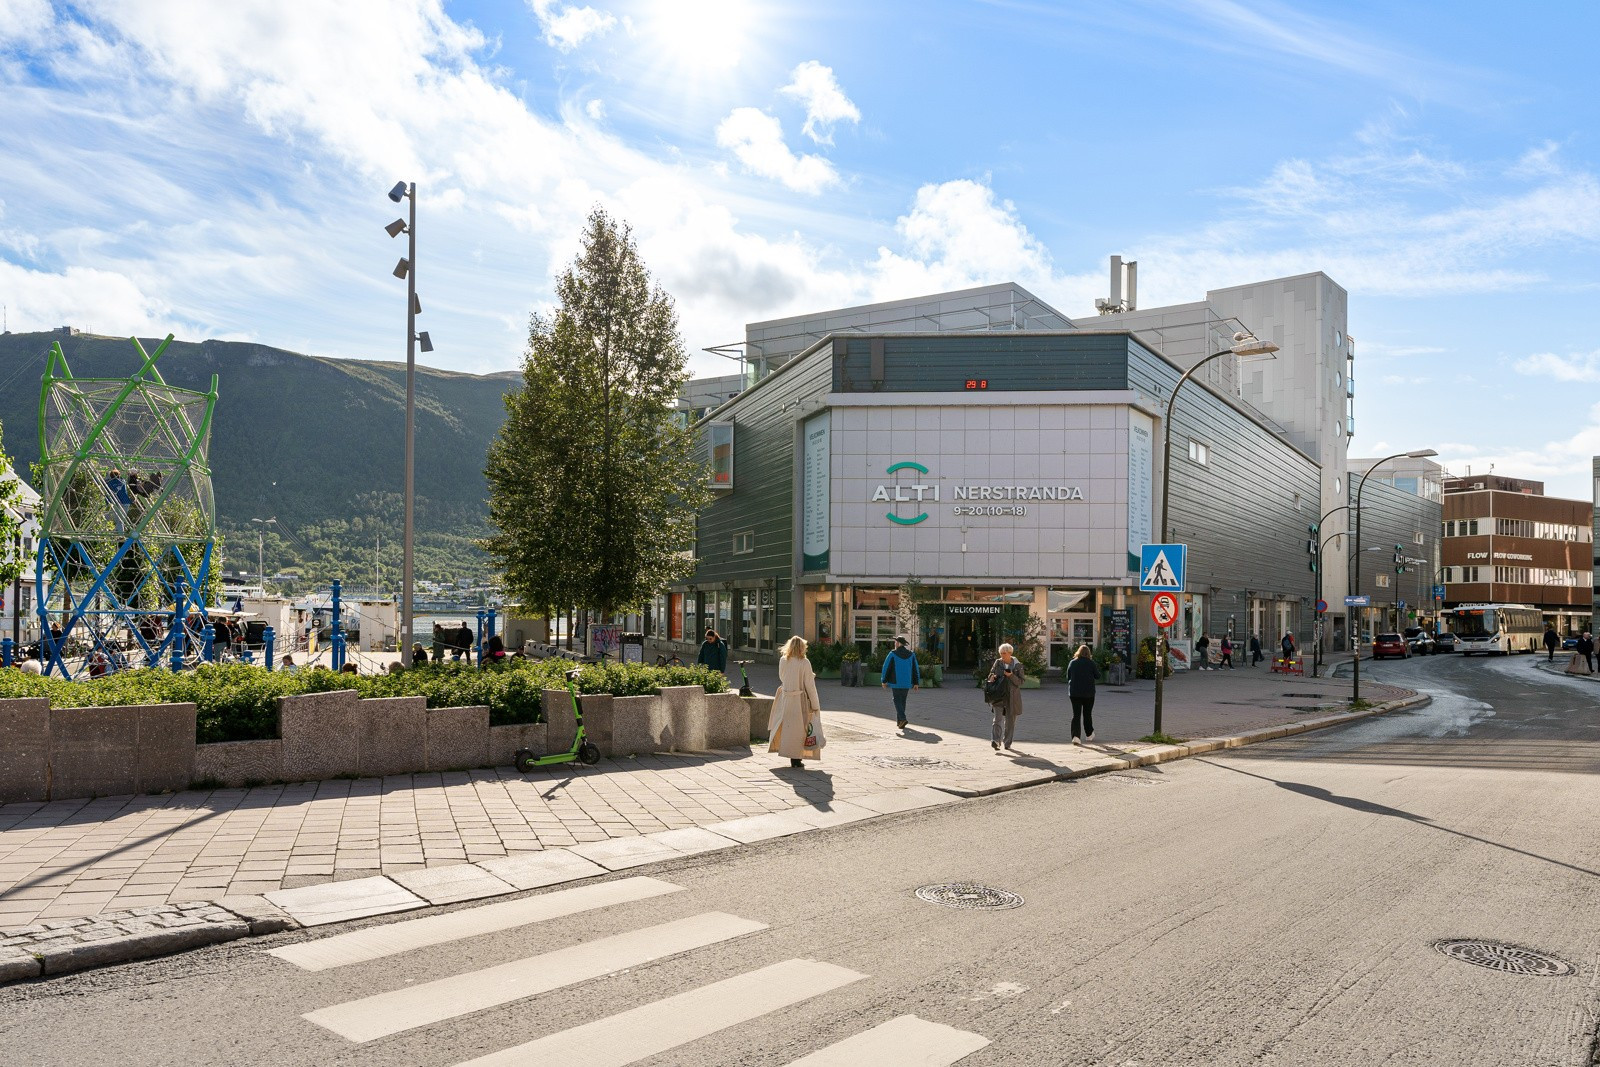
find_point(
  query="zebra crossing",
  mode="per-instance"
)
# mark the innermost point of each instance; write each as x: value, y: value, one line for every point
x: 622, y: 1038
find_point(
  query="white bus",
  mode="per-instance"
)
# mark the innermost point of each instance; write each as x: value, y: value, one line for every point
x: 1496, y: 629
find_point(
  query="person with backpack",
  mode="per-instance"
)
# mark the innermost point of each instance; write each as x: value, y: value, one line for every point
x: 1288, y: 648
x: 1227, y: 654
x: 1202, y: 653
x: 1082, y: 673
x: 901, y: 674
x: 1002, y: 689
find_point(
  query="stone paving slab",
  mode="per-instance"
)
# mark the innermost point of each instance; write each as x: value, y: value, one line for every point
x: 625, y: 852
x: 448, y: 885
x: 539, y: 869
x: 357, y: 898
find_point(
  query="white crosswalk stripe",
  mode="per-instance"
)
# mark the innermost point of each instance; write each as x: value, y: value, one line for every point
x: 903, y: 1042
x: 628, y: 1036
x: 391, y: 939
x: 645, y: 1031
x: 447, y: 998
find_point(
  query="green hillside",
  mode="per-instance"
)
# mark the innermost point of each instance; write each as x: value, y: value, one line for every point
x: 317, y: 443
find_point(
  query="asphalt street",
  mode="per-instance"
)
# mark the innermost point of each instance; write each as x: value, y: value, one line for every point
x: 1274, y: 905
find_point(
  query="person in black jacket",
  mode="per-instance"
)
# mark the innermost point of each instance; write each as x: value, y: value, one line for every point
x: 1552, y: 641
x: 713, y: 652
x: 1081, y: 676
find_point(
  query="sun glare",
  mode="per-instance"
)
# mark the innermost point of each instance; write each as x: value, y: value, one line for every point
x: 704, y: 35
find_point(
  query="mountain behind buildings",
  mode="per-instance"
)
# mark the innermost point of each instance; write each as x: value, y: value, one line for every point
x: 318, y: 444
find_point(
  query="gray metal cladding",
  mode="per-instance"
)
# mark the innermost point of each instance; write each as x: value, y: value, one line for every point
x: 1389, y: 517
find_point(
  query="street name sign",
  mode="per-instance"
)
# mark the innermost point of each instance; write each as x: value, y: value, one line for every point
x: 1161, y: 568
x: 1362, y: 601
x: 1164, y: 609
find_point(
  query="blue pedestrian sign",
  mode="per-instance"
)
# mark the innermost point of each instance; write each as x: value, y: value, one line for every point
x: 1362, y: 601
x: 1161, y: 568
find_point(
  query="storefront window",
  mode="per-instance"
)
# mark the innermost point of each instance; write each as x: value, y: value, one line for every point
x: 876, y: 599
x: 749, y: 632
x: 724, y: 624
x: 769, y: 618
x: 691, y: 617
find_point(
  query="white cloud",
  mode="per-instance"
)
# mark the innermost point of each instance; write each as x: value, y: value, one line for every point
x: 1577, y: 367
x: 24, y: 20
x: 101, y: 300
x: 756, y: 138
x: 815, y: 86
x: 571, y: 25
x: 595, y: 109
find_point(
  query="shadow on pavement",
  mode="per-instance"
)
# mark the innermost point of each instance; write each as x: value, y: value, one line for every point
x: 815, y: 787
x: 1367, y: 806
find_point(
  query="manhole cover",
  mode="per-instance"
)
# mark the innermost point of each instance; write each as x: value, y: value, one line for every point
x: 907, y: 762
x: 1128, y: 779
x: 1498, y: 956
x: 969, y: 895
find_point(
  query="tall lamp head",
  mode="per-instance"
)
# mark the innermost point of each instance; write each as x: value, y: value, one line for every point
x: 398, y: 193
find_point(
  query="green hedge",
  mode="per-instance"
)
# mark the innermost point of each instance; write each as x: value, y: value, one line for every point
x: 237, y: 702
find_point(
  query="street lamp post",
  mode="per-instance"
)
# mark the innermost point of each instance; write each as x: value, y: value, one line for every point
x: 1244, y: 344
x: 1316, y: 644
x: 261, y: 551
x: 1355, y: 561
x: 407, y: 269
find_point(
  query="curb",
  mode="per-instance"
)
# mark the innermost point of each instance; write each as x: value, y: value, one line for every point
x: 63, y: 946
x: 1199, y: 747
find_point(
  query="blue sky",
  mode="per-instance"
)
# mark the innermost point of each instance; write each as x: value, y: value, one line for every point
x: 218, y: 170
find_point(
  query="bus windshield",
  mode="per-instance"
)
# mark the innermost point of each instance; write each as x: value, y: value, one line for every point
x: 1475, y: 623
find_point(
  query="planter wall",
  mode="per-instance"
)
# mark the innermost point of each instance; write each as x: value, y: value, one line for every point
x: 69, y: 753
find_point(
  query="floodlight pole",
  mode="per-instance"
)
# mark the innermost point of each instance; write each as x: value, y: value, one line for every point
x: 1354, y: 575
x: 406, y: 561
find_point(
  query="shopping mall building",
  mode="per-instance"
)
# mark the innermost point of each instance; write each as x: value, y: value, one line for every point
x: 1006, y: 456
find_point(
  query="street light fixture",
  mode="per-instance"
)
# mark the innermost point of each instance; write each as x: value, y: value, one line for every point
x: 1316, y: 558
x: 407, y: 269
x: 1354, y: 632
x: 1245, y: 345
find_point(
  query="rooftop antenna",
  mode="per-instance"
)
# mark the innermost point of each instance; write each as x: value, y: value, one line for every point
x: 1116, y: 305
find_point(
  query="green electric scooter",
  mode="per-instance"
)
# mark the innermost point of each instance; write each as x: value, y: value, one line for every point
x: 582, y: 750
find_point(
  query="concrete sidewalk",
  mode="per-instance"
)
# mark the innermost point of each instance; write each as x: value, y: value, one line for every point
x: 70, y: 859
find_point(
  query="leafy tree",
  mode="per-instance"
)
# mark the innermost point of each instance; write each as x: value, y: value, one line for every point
x: 12, y: 562
x: 593, y: 482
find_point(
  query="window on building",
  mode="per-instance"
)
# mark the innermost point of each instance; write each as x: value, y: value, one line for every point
x: 1199, y: 452
x: 744, y: 542
x: 720, y: 440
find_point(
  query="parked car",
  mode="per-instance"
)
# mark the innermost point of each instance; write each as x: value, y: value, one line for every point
x: 1386, y: 645
x: 1570, y: 644
x: 1444, y: 641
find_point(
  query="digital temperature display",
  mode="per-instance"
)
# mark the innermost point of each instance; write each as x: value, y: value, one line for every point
x: 977, y: 383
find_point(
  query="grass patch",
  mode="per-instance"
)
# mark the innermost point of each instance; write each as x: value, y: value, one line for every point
x: 1359, y: 705
x: 1162, y: 738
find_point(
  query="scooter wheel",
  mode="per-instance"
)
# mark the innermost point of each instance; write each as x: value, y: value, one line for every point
x: 525, y: 760
x: 589, y: 753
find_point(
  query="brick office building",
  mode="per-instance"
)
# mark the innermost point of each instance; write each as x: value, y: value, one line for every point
x: 1505, y: 542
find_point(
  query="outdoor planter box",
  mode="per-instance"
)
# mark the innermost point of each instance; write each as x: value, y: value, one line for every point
x: 827, y: 674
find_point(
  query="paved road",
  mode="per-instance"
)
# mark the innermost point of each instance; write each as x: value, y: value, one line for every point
x: 1277, y: 905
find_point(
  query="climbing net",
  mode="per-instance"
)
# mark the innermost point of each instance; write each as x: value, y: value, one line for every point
x: 128, y: 518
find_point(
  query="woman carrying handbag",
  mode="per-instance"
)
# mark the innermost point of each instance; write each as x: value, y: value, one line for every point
x: 795, y: 727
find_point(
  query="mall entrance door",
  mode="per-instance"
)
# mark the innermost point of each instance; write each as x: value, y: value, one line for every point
x: 972, y: 640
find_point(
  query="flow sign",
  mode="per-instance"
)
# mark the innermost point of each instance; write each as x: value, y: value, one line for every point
x: 1362, y: 601
x: 1161, y: 568
x: 1164, y: 609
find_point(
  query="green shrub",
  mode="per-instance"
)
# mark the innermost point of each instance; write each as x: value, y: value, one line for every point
x: 239, y: 702
x: 825, y: 657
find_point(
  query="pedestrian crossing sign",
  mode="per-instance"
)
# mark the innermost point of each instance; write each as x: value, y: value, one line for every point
x: 1161, y: 568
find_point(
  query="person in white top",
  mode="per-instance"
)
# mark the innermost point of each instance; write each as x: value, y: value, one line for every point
x: 795, y: 727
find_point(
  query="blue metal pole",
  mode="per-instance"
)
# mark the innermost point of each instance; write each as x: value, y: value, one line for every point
x: 481, y: 617
x: 267, y: 635
x: 5, y: 651
x: 337, y: 635
x: 208, y: 647
x: 492, y: 628
x: 177, y: 642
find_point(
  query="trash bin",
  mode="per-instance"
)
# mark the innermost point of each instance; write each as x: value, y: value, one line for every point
x: 632, y: 650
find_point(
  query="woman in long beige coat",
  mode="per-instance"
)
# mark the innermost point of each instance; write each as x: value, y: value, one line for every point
x: 794, y: 706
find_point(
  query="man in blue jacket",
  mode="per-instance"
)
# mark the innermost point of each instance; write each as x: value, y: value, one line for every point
x: 901, y: 674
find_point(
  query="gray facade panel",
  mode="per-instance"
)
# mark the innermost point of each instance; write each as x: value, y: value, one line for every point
x: 1390, y: 517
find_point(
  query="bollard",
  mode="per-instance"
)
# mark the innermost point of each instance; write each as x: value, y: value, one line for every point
x: 208, y: 646
x: 337, y: 637
x: 267, y: 635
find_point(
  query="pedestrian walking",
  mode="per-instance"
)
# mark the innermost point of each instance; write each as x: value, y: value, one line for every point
x: 1586, y: 649
x: 1255, y: 649
x: 1227, y: 653
x: 795, y: 726
x: 1288, y: 648
x: 714, y: 652
x: 1202, y: 653
x: 1006, y: 709
x: 439, y: 641
x: 463, y: 643
x: 1082, y: 673
x: 901, y: 674
x: 1552, y: 641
